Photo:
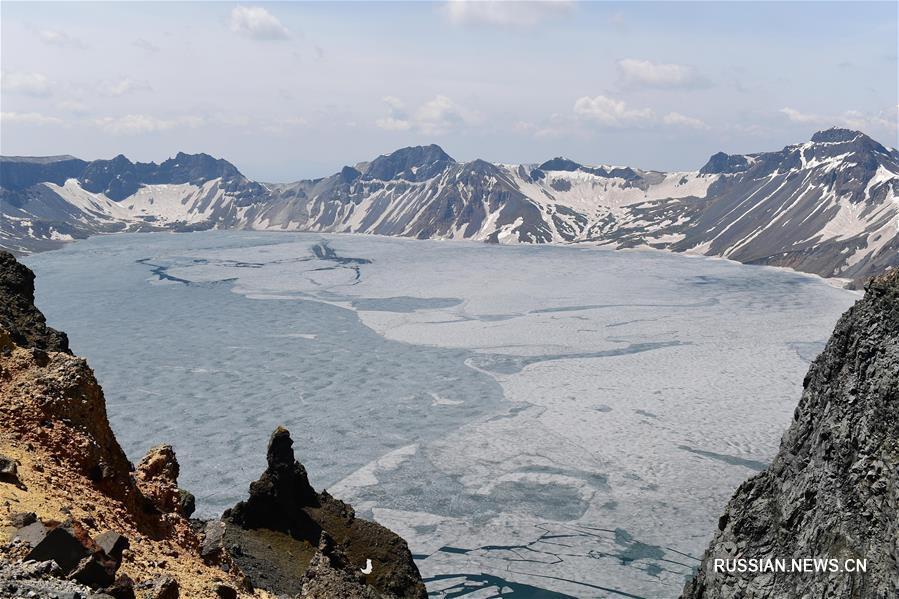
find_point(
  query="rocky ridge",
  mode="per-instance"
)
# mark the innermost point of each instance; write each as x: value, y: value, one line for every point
x: 283, y: 501
x: 78, y: 519
x: 832, y: 491
x: 828, y: 206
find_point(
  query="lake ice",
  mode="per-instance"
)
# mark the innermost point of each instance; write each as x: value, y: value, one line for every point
x: 537, y: 421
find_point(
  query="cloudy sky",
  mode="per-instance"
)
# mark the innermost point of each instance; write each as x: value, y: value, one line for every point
x: 294, y: 90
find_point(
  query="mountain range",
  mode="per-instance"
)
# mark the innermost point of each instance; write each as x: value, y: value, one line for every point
x: 828, y: 206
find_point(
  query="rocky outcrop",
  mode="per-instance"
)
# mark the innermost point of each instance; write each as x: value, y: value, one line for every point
x: 282, y: 501
x: 832, y: 491
x: 70, y: 495
x: 330, y: 574
x: 22, y: 321
x: 76, y: 516
x: 157, y: 477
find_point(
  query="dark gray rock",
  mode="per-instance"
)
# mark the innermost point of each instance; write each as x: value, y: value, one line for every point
x: 112, y: 544
x: 223, y: 591
x: 832, y: 491
x: 213, y: 547
x: 413, y: 164
x: 187, y: 503
x: 41, y: 580
x: 25, y: 324
x: 94, y: 571
x: 60, y: 545
x: 559, y: 164
x: 722, y: 163
x: 32, y: 534
x: 277, y: 498
x: 9, y: 470
x: 122, y: 588
x: 284, y: 515
x: 163, y: 587
x: 22, y: 519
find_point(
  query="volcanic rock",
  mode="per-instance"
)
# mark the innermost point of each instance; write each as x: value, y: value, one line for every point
x: 286, y: 515
x: 25, y: 324
x: 163, y: 587
x: 832, y: 491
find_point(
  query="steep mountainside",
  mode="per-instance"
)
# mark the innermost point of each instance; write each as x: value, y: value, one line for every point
x: 832, y: 491
x: 829, y: 206
x: 69, y: 495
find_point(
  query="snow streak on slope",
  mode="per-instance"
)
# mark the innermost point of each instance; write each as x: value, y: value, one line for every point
x: 828, y: 206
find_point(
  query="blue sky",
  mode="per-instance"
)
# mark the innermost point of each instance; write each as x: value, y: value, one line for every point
x: 292, y: 90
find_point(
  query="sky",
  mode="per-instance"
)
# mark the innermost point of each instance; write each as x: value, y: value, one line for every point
x: 293, y: 90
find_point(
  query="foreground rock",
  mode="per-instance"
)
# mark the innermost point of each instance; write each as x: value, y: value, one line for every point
x: 832, y: 491
x: 68, y: 492
x: 23, y: 322
x: 79, y: 520
x: 285, y: 509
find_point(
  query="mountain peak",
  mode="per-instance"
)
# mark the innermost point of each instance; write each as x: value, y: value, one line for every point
x: 414, y: 163
x: 836, y: 135
x: 722, y: 163
x: 559, y: 164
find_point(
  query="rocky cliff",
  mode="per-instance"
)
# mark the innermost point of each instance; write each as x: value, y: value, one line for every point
x: 832, y: 491
x: 78, y: 519
x: 22, y: 321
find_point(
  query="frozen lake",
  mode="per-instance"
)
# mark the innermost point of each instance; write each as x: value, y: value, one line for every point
x: 535, y: 420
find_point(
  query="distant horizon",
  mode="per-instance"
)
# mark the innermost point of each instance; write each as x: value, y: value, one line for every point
x: 296, y: 89
x: 456, y: 159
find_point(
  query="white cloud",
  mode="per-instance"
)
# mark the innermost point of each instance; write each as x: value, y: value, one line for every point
x: 614, y: 113
x: 29, y: 118
x: 611, y: 112
x: 504, y: 12
x: 62, y: 39
x: 885, y: 119
x: 437, y: 116
x: 28, y: 84
x: 680, y: 120
x: 121, y: 87
x: 135, y: 124
x: 853, y: 119
x: 257, y: 23
x: 440, y: 115
x: 801, y: 117
x: 645, y: 73
x: 397, y: 119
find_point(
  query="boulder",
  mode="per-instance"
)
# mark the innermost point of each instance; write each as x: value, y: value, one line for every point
x: 122, y: 588
x: 187, y: 503
x: 9, y: 470
x: 94, y: 571
x: 213, y: 547
x: 223, y: 591
x: 22, y: 519
x: 330, y: 574
x: 112, y: 544
x: 32, y: 534
x: 163, y: 587
x: 60, y: 545
x: 157, y: 477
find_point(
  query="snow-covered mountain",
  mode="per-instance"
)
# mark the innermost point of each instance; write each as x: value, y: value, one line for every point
x: 829, y: 206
